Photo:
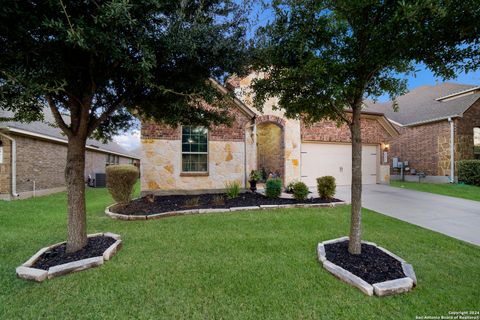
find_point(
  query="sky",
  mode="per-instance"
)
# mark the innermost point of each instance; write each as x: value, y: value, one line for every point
x: 131, y: 140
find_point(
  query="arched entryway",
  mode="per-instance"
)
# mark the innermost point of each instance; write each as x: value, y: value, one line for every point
x: 271, y: 145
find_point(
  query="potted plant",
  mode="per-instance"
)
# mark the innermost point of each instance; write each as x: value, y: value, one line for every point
x: 255, y: 176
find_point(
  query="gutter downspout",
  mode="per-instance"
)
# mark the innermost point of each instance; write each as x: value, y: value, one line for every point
x: 452, y: 150
x: 14, y: 164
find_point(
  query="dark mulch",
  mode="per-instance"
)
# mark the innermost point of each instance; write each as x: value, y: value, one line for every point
x: 373, y: 265
x: 178, y: 202
x: 95, y: 247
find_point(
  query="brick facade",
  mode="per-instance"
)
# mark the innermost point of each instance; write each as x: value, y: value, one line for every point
x: 5, y: 167
x: 232, y: 132
x: 427, y: 147
x: 329, y: 131
x: 44, y: 162
x: 424, y: 147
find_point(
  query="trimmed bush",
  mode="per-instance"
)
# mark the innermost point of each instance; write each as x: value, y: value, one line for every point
x: 233, y: 189
x: 121, y: 179
x: 469, y: 171
x: 300, y: 191
x: 273, y: 188
x: 326, y: 187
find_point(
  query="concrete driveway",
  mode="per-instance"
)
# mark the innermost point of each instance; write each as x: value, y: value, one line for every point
x: 454, y: 217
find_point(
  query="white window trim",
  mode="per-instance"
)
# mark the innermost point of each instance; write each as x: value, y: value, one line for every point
x: 182, y: 153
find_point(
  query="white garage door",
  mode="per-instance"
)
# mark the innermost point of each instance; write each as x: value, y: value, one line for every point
x: 324, y: 159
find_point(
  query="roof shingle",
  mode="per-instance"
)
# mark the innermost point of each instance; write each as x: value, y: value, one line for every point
x: 420, y: 104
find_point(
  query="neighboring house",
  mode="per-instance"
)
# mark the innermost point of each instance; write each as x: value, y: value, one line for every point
x: 428, y: 118
x: 189, y: 159
x: 33, y: 157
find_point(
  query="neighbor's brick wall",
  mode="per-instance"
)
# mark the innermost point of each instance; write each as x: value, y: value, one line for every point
x: 41, y: 161
x: 5, y: 167
x: 425, y: 147
x: 232, y: 132
x: 464, y: 132
x: 44, y: 162
x: 328, y: 131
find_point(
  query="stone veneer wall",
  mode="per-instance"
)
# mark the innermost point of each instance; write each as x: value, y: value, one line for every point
x: 162, y: 163
x: 464, y: 132
x: 5, y: 167
x: 162, y: 158
x: 291, y: 127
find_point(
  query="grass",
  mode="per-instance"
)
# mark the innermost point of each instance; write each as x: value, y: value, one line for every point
x: 453, y: 190
x: 246, y: 265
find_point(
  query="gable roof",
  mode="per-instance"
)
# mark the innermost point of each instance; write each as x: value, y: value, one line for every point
x: 46, y: 129
x: 428, y: 103
x: 239, y: 104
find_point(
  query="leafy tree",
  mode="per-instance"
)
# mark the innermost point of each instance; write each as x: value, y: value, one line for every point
x: 91, y: 62
x: 324, y: 58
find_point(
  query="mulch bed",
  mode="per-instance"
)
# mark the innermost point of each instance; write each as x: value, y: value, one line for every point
x: 95, y: 247
x: 372, y: 265
x: 205, y: 201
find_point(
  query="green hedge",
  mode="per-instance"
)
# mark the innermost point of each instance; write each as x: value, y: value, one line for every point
x: 300, y: 191
x: 326, y: 187
x: 469, y: 172
x: 121, y: 179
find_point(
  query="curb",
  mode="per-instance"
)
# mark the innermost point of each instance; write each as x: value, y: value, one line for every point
x: 27, y: 272
x: 126, y: 217
x: 380, y: 289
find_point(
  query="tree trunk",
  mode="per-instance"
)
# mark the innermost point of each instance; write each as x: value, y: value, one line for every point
x: 75, y: 180
x: 354, y: 246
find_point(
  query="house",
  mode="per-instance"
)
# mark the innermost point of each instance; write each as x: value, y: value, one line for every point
x: 188, y: 159
x: 439, y: 125
x: 33, y: 157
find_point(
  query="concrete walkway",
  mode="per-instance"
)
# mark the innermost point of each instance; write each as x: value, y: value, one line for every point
x: 454, y: 217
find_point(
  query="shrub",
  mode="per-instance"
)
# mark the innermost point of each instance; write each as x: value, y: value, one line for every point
x: 273, y: 188
x: 300, y: 191
x: 121, y: 180
x: 192, y: 202
x: 469, y: 172
x: 326, y: 187
x: 233, y: 189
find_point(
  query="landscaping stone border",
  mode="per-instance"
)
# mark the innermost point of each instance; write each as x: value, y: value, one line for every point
x: 384, y: 288
x: 155, y: 216
x: 27, y: 272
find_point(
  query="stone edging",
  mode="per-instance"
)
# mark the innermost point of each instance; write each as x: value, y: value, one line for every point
x: 156, y: 216
x: 381, y: 288
x: 27, y: 272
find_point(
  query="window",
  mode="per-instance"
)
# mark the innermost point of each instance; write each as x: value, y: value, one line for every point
x: 194, y: 149
x: 1, y: 152
x: 112, y: 159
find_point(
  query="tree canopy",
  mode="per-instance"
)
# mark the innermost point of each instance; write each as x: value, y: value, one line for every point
x: 100, y: 61
x: 113, y: 56
x: 323, y: 58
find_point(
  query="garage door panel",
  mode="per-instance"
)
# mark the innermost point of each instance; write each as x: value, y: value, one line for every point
x: 336, y: 160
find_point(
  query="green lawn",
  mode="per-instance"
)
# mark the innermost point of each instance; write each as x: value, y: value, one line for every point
x: 246, y: 265
x: 454, y: 190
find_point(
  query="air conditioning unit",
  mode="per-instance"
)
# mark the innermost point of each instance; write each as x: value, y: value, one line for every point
x: 100, y: 180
